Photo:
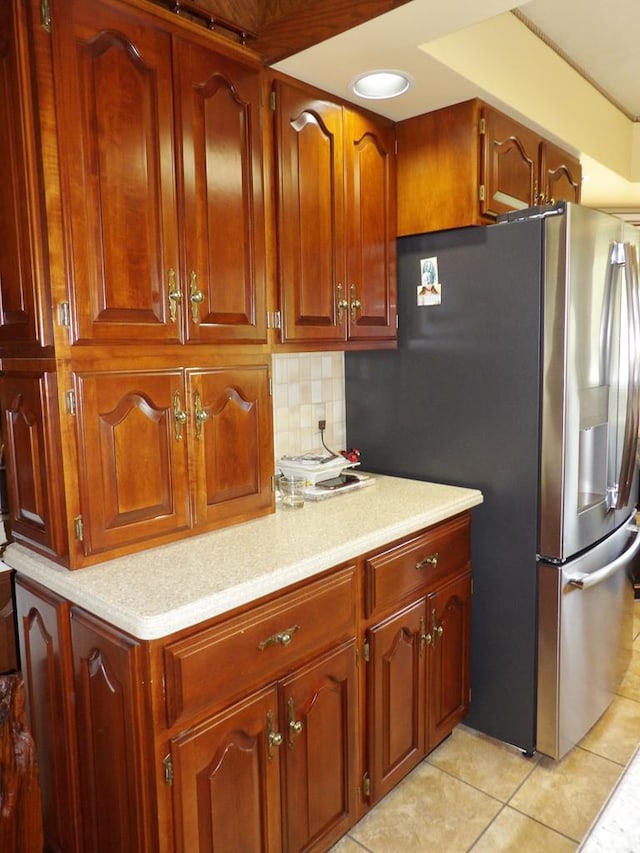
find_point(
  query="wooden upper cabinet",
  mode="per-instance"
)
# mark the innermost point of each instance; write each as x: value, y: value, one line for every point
x: 335, y: 220
x: 133, y: 474
x: 218, y: 102
x: 510, y: 165
x: 31, y: 435
x: 371, y: 214
x: 160, y: 143
x: 112, y: 74
x: 310, y: 213
x: 23, y: 275
x: 468, y: 163
x: 163, y: 451
x: 232, y: 441
x: 560, y: 175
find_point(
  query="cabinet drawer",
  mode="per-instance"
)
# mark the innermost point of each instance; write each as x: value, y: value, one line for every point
x: 230, y: 659
x: 416, y: 564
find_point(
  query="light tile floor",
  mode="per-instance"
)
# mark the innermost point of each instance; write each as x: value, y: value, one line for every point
x: 476, y: 794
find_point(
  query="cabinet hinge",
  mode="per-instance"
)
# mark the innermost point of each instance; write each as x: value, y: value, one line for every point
x: 64, y: 314
x: 482, y: 127
x: 481, y: 192
x: 395, y: 146
x: 273, y: 320
x: 79, y: 527
x: 167, y: 767
x: 366, y: 785
x: 397, y: 322
x: 70, y: 402
x: 272, y: 101
x: 365, y: 651
x: 45, y: 15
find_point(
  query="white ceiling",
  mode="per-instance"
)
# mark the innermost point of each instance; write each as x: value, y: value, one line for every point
x: 447, y: 49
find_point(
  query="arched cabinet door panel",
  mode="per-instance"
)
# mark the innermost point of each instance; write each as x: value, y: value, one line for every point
x: 510, y: 165
x: 31, y: 436
x: 132, y: 443
x: 231, y: 442
x: 114, y: 102
x: 218, y: 103
x: 311, y: 263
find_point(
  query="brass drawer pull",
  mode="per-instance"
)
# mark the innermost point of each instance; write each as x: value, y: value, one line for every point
x: 431, y: 560
x: 282, y: 638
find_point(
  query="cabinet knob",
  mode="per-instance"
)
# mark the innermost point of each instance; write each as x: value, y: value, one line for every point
x: 295, y: 726
x: 355, y: 302
x: 274, y: 739
x: 341, y: 303
x: 179, y: 415
x: 196, y: 296
x: 201, y: 414
x: 425, y: 638
x: 174, y: 293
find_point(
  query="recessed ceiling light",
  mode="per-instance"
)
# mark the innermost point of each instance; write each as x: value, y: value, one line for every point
x: 377, y: 85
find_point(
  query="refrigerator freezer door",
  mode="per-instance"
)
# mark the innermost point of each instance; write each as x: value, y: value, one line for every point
x: 584, y: 639
x: 590, y: 381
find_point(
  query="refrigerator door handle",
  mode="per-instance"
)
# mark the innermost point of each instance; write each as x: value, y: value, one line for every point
x: 630, y: 442
x: 583, y: 580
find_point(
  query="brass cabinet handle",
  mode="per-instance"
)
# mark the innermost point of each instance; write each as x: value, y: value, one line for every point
x: 175, y: 295
x: 295, y: 726
x: 196, y: 296
x: 273, y: 738
x: 436, y: 630
x: 179, y: 415
x: 201, y: 414
x: 425, y: 639
x: 282, y: 638
x: 355, y: 302
x: 430, y: 561
x: 341, y: 303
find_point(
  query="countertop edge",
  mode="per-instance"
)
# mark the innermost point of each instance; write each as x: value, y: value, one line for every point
x: 71, y: 584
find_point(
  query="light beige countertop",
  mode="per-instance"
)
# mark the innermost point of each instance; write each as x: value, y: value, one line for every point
x: 161, y: 590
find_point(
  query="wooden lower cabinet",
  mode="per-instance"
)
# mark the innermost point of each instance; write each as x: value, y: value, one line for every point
x: 111, y: 740
x: 272, y: 729
x: 448, y: 658
x: 44, y: 652
x: 293, y: 740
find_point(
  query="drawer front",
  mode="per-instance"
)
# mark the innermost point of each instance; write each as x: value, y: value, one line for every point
x: 416, y: 565
x: 217, y: 664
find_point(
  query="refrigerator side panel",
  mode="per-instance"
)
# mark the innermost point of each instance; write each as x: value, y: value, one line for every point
x: 458, y: 402
x: 582, y: 310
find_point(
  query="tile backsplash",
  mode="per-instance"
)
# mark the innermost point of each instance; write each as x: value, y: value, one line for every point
x: 308, y: 387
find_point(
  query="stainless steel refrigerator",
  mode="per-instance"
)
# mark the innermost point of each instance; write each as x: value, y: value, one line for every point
x: 517, y: 373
